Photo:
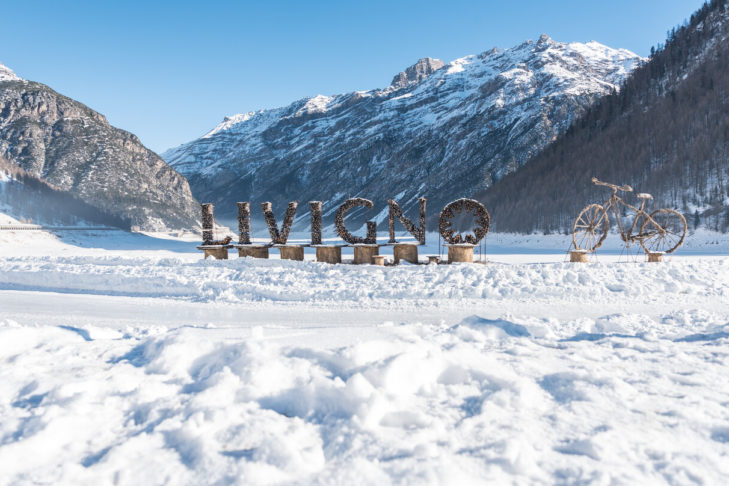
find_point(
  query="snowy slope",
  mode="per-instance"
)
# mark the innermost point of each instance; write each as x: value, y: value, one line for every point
x: 446, y: 133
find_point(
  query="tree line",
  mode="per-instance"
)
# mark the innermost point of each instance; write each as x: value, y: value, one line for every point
x: 37, y: 201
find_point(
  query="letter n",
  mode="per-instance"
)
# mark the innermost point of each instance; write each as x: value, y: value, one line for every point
x: 396, y: 212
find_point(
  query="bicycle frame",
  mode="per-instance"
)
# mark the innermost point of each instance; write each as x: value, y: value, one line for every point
x: 612, y: 203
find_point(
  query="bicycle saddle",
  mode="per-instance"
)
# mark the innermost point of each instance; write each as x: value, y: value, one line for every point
x: 615, y: 187
x: 644, y: 195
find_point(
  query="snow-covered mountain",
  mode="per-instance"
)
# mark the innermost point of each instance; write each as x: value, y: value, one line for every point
x: 665, y: 133
x: 74, y: 149
x: 439, y: 130
x: 7, y: 74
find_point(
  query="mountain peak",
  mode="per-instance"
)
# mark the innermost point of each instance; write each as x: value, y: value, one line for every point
x: 543, y: 43
x: 544, y: 39
x: 417, y: 72
x: 7, y: 74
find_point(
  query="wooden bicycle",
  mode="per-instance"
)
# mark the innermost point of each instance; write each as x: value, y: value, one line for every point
x: 661, y: 231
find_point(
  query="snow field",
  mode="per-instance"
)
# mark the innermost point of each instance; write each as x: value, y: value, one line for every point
x: 529, y: 401
x: 129, y: 360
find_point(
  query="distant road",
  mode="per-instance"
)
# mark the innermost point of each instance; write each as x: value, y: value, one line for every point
x: 37, y: 227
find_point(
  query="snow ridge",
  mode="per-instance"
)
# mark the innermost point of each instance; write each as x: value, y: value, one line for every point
x: 618, y: 63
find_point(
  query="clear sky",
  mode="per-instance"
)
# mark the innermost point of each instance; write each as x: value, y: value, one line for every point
x: 170, y: 71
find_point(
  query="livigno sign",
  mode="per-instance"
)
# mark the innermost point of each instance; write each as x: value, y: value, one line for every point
x: 279, y: 236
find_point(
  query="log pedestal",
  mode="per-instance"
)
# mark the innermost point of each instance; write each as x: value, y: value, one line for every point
x: 578, y: 256
x: 655, y: 257
x: 219, y: 252
x: 461, y: 253
x: 253, y: 251
x: 328, y: 253
x: 407, y: 252
x: 364, y: 253
x: 291, y: 252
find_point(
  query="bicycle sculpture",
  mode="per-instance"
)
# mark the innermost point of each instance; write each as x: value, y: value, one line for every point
x: 661, y: 231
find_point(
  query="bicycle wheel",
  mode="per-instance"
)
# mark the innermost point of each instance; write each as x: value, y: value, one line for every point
x: 590, y: 228
x: 667, y: 236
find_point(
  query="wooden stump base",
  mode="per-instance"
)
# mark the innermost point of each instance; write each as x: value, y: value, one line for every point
x: 407, y: 252
x: 578, y: 256
x: 655, y: 257
x: 292, y: 253
x: 329, y: 254
x: 217, y: 252
x: 253, y: 251
x: 364, y: 253
x: 378, y: 260
x: 460, y: 253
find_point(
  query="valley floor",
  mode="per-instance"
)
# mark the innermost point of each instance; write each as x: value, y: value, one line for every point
x: 127, y: 359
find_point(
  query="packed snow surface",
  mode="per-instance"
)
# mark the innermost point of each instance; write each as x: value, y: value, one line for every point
x: 126, y: 359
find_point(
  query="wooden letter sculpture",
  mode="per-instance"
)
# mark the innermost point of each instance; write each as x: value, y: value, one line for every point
x: 244, y: 223
x: 279, y: 237
x: 469, y: 206
x: 315, y: 222
x: 396, y: 212
x: 371, y: 238
x: 208, y: 223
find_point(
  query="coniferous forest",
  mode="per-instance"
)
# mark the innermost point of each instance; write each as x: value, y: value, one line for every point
x: 666, y: 132
x: 37, y: 201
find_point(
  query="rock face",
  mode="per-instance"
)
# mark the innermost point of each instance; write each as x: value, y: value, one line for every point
x: 439, y: 131
x: 417, y: 72
x: 75, y: 149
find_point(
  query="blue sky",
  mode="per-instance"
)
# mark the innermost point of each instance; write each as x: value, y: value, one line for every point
x: 170, y: 71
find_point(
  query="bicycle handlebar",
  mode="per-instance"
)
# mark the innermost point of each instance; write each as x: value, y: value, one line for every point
x: 625, y: 187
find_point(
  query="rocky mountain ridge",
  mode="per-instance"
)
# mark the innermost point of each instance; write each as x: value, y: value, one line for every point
x: 438, y: 131
x: 75, y: 149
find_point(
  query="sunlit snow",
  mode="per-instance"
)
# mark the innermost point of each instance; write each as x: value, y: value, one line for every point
x: 128, y: 359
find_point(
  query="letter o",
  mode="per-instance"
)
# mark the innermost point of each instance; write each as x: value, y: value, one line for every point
x: 445, y: 225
